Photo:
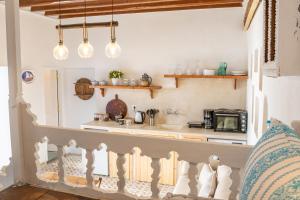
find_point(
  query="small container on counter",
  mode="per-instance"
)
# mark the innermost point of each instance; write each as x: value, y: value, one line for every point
x: 118, y: 117
x: 128, y: 122
x: 101, y: 117
x: 104, y: 117
x: 121, y: 121
x: 96, y: 116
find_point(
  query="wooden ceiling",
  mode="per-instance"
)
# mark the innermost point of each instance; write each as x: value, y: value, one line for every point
x: 76, y: 8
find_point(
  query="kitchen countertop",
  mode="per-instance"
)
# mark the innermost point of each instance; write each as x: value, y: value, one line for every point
x: 112, y: 126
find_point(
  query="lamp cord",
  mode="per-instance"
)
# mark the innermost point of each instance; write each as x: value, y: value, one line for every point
x: 85, y: 33
x: 59, y: 8
x: 60, y: 31
x: 84, y: 11
x: 112, y: 10
x: 112, y: 27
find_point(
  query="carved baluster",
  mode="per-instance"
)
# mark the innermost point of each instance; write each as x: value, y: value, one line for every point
x: 155, y: 164
x: 192, y: 176
x: 121, y: 172
x: 60, y: 154
x: 90, y: 168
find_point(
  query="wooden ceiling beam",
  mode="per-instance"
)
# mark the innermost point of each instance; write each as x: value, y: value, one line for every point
x: 250, y: 12
x: 104, y: 3
x: 155, y: 9
x: 27, y: 3
x: 177, y: 4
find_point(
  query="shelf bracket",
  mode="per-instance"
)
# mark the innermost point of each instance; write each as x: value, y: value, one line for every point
x: 102, y: 92
x: 176, y: 82
x: 235, y: 84
x: 151, y: 93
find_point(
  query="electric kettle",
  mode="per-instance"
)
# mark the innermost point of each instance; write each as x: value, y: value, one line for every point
x: 139, y: 117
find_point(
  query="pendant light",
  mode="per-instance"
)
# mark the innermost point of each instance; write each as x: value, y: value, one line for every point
x: 60, y: 51
x: 112, y: 49
x: 85, y: 49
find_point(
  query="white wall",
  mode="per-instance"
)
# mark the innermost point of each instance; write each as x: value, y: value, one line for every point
x: 289, y: 46
x: 156, y: 43
x: 283, y: 98
x: 279, y: 97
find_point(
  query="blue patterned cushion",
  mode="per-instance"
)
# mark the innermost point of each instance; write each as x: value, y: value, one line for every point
x: 273, y: 168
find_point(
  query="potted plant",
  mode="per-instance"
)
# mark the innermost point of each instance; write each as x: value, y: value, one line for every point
x: 115, y: 76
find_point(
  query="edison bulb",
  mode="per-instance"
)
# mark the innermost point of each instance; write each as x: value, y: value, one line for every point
x: 113, y: 50
x: 60, y: 52
x: 85, y: 50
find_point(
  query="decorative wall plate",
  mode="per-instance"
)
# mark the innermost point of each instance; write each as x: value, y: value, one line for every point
x: 27, y: 76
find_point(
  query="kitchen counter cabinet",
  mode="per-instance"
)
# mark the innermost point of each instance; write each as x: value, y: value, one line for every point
x: 181, y: 133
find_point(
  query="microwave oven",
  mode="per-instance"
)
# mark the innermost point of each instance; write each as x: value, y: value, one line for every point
x: 225, y: 120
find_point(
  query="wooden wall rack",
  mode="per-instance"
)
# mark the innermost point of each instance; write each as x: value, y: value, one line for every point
x: 235, y: 78
x: 103, y: 87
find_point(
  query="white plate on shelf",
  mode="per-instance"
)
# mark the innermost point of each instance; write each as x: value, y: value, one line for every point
x: 209, y: 72
x: 238, y: 73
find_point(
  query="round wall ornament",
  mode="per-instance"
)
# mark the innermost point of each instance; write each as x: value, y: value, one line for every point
x: 27, y: 76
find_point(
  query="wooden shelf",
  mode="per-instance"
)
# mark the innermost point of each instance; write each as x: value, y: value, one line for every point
x: 235, y: 78
x: 103, y: 87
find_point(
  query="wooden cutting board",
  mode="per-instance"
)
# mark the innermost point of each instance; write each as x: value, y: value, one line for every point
x: 116, y: 107
x: 83, y: 90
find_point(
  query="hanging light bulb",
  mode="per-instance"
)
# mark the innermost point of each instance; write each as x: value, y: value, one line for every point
x: 112, y: 49
x: 60, y: 51
x: 85, y: 49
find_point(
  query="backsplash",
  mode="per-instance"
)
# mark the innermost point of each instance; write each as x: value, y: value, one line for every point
x: 189, y: 100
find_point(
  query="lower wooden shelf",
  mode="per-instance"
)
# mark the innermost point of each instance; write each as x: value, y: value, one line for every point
x: 149, y: 88
x: 235, y: 78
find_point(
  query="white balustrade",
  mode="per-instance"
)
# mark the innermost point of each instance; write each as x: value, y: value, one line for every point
x: 155, y: 148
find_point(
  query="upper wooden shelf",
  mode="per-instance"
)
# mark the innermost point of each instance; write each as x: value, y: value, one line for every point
x: 103, y: 87
x: 235, y: 78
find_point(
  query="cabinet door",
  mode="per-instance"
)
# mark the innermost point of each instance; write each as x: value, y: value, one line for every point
x: 141, y: 165
x: 168, y: 173
x: 194, y: 137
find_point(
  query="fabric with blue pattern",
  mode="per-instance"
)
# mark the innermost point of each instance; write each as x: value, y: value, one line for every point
x: 273, y: 168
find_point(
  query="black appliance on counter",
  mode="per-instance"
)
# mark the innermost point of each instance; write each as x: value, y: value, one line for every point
x: 226, y: 120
